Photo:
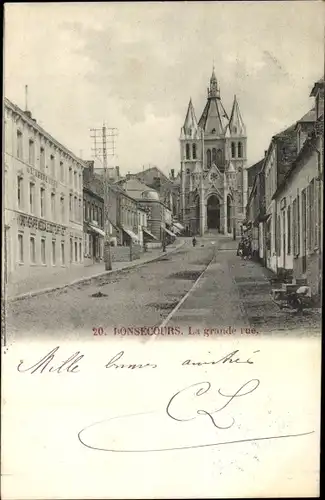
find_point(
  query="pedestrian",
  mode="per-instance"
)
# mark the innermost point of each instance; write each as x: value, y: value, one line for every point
x: 194, y: 241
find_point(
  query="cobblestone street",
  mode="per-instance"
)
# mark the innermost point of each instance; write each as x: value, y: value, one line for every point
x: 230, y: 293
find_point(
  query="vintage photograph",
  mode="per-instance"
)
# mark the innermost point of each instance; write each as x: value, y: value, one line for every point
x: 162, y: 175
x: 162, y: 239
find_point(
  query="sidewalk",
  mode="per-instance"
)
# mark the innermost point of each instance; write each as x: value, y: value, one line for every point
x: 60, y: 278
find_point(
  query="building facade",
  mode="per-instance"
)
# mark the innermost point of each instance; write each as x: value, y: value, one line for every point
x: 93, y: 205
x: 299, y: 201
x: 213, y: 188
x: 43, y: 213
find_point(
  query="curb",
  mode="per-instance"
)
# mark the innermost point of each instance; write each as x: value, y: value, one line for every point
x: 79, y: 281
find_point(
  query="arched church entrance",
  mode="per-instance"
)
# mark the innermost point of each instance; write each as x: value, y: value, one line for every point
x: 213, y: 212
x: 229, y: 214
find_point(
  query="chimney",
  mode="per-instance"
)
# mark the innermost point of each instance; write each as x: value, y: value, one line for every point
x: 265, y: 152
x: 117, y: 172
x: 172, y: 173
x: 29, y: 115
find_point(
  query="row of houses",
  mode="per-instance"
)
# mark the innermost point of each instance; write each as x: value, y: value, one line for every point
x: 285, y: 204
x: 53, y: 204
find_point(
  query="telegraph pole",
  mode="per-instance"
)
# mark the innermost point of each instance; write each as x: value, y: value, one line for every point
x: 100, y: 136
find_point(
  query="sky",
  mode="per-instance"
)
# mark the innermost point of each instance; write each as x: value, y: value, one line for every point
x: 135, y: 66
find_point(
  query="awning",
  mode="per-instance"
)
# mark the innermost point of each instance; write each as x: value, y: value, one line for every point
x: 179, y: 226
x: 130, y: 233
x: 169, y: 232
x: 97, y: 230
x: 145, y: 230
x: 176, y: 229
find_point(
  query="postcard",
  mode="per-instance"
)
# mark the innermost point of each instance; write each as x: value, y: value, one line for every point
x: 162, y: 245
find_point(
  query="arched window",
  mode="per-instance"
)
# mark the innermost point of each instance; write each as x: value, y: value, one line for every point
x: 219, y: 157
x: 194, y: 151
x: 209, y: 158
x: 233, y: 150
x: 240, y: 150
x: 214, y: 155
x: 187, y: 151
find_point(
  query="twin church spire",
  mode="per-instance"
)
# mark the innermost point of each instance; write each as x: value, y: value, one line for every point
x: 214, y: 119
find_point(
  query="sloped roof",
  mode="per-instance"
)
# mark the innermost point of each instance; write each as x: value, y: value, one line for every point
x: 317, y: 85
x: 309, y: 117
x: 214, y: 116
x: 236, y: 120
x: 190, y: 119
x: 252, y: 171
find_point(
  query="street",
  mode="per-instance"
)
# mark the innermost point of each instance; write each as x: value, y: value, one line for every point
x: 230, y: 296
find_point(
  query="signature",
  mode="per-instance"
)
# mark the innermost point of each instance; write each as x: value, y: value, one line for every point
x: 177, y: 411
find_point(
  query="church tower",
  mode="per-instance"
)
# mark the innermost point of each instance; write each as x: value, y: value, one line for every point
x: 213, y: 166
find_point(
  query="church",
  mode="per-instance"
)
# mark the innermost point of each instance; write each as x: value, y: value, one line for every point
x: 213, y: 187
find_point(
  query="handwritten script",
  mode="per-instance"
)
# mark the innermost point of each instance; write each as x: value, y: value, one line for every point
x: 213, y: 410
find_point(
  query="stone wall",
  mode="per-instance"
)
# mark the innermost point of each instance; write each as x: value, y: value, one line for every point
x: 123, y: 254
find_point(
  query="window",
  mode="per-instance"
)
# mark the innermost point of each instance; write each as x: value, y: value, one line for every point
x: 88, y: 211
x: 75, y: 208
x: 20, y: 191
x: 278, y: 236
x: 80, y: 183
x: 194, y: 151
x: 70, y: 175
x: 52, y: 162
x: 85, y: 210
x: 70, y: 206
x: 71, y: 250
x: 31, y: 197
x: 32, y: 250
x: 42, y: 200
x: 209, y: 158
x: 100, y: 217
x: 311, y: 215
x: 304, y: 221
x: 62, y: 253
x: 80, y: 252
x: 214, y: 155
x: 219, y: 157
x: 31, y: 152
x: 53, y: 253
x: 61, y: 171
x: 240, y: 150
x: 233, y: 150
x: 75, y: 179
x: 53, y: 205
x: 19, y: 144
x: 289, y: 229
x: 76, y: 251
x: 187, y: 151
x: 43, y: 254
x: 62, y: 208
x: 42, y: 158
x: 298, y: 224
x: 20, y: 248
x: 80, y: 210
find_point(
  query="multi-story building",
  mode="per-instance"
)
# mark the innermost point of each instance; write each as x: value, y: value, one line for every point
x: 278, y: 158
x: 255, y: 211
x: 43, y: 214
x: 298, y: 200
x: 94, y: 234
x: 213, y: 186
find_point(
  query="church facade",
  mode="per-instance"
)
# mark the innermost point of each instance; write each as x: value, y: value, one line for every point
x: 213, y: 167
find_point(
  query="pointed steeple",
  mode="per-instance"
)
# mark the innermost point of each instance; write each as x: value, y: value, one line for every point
x: 214, y: 91
x: 190, y: 127
x: 236, y: 123
x: 214, y: 118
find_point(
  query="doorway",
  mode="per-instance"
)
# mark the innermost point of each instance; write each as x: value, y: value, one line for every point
x: 213, y: 212
x: 229, y: 214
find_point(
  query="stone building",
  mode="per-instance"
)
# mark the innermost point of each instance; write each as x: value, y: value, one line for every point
x: 298, y: 200
x: 213, y: 166
x: 43, y: 214
x: 93, y: 226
